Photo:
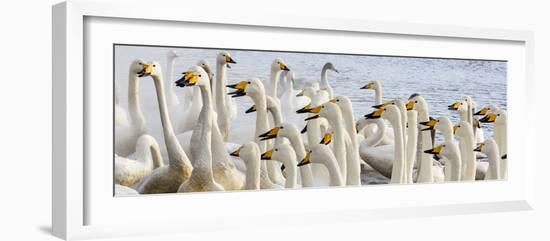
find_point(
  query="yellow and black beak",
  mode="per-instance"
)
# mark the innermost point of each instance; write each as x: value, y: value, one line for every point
x: 375, y: 114
x: 300, y: 94
x: 327, y: 138
x: 229, y: 60
x: 380, y: 105
x: 489, y: 118
x: 454, y: 106
x: 315, y: 110
x: 146, y: 70
x: 267, y: 155
x: 304, y: 109
x: 483, y: 111
x: 306, y: 160
x: 479, y: 147
x: 333, y: 101
x: 410, y: 105
x: 270, y: 134
x: 236, y: 152
x: 283, y: 67
x: 435, y: 150
x: 251, y: 109
x: 240, y: 87
x: 367, y: 86
x: 455, y: 128
x: 430, y: 124
x: 188, y: 79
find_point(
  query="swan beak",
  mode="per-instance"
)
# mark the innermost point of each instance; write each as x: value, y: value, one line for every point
x: 304, y: 130
x: 479, y: 147
x: 236, y: 152
x: 270, y: 134
x: 283, y: 67
x: 306, y: 160
x: 304, y: 109
x: 300, y: 94
x: 229, y: 60
x: 375, y: 114
x: 483, y: 111
x: 188, y: 79
x: 311, y: 117
x: 367, y: 86
x: 505, y: 156
x: 410, y: 105
x: 380, y: 105
x: 240, y: 87
x: 454, y: 106
x: 489, y: 118
x: 267, y: 155
x: 455, y: 127
x: 146, y: 70
x: 333, y: 101
x: 430, y: 124
x: 435, y: 150
x: 327, y: 138
x: 251, y: 109
x: 335, y: 70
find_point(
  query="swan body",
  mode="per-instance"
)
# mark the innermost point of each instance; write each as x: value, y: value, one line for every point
x: 147, y: 157
x: 250, y: 154
x: 126, y: 134
x: 168, y: 178
x: 284, y: 153
x: 322, y: 154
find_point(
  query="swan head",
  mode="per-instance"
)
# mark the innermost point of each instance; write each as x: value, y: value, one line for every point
x: 326, y: 110
x: 308, y: 91
x: 497, y: 117
x: 172, y: 54
x: 386, y: 112
x: 442, y: 124
x: 486, y: 146
x: 137, y: 66
x: 371, y: 85
x: 251, y: 87
x: 280, y: 152
x: 316, y: 154
x: 284, y: 129
x: 330, y: 66
x: 150, y: 69
x: 462, y: 128
x: 460, y: 106
x: 449, y: 149
x: 194, y: 76
x: 327, y: 138
x: 418, y: 103
x: 206, y: 66
x: 278, y: 65
x: 224, y: 59
x: 486, y: 109
x: 343, y: 102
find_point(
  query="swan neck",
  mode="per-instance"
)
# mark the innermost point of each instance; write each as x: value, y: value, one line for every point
x: 324, y: 79
x: 176, y: 155
x: 219, y: 89
x: 378, y: 95
x: 170, y: 71
x: 134, y: 107
x: 334, y: 172
x: 379, y: 134
x: 399, y: 156
x: 273, y: 82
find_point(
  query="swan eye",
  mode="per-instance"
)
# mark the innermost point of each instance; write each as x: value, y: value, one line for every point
x: 416, y: 101
x: 249, y: 82
x: 200, y: 75
x: 154, y: 65
x: 498, y: 114
x: 276, y: 149
x: 281, y: 127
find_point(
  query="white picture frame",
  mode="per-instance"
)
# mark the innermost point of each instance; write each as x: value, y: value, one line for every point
x: 76, y: 200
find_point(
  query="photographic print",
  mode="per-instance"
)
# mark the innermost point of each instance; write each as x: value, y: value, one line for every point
x: 191, y: 119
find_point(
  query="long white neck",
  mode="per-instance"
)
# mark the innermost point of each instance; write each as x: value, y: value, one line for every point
x: 134, y: 107
x: 500, y: 137
x: 176, y: 155
x: 219, y: 88
x: 291, y: 172
x: 252, y: 181
x: 305, y: 171
x: 378, y: 135
x: 425, y: 173
x: 453, y: 166
x: 378, y: 95
x: 399, y: 155
x: 324, y: 76
x: 339, y: 142
x: 463, y: 115
x: 493, y: 171
x: 412, y: 141
x: 336, y: 178
x: 273, y: 82
x: 172, y: 97
x: 467, y: 155
x: 350, y: 125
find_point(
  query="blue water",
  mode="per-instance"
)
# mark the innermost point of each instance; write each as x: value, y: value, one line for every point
x: 440, y: 81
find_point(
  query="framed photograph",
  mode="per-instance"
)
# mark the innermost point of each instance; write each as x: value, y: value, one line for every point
x: 168, y: 123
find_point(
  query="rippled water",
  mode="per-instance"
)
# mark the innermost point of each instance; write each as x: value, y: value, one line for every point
x: 440, y: 81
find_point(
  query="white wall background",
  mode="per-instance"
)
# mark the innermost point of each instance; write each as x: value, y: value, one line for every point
x: 25, y: 126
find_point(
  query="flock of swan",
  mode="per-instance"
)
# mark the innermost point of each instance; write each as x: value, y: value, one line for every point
x: 304, y: 136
